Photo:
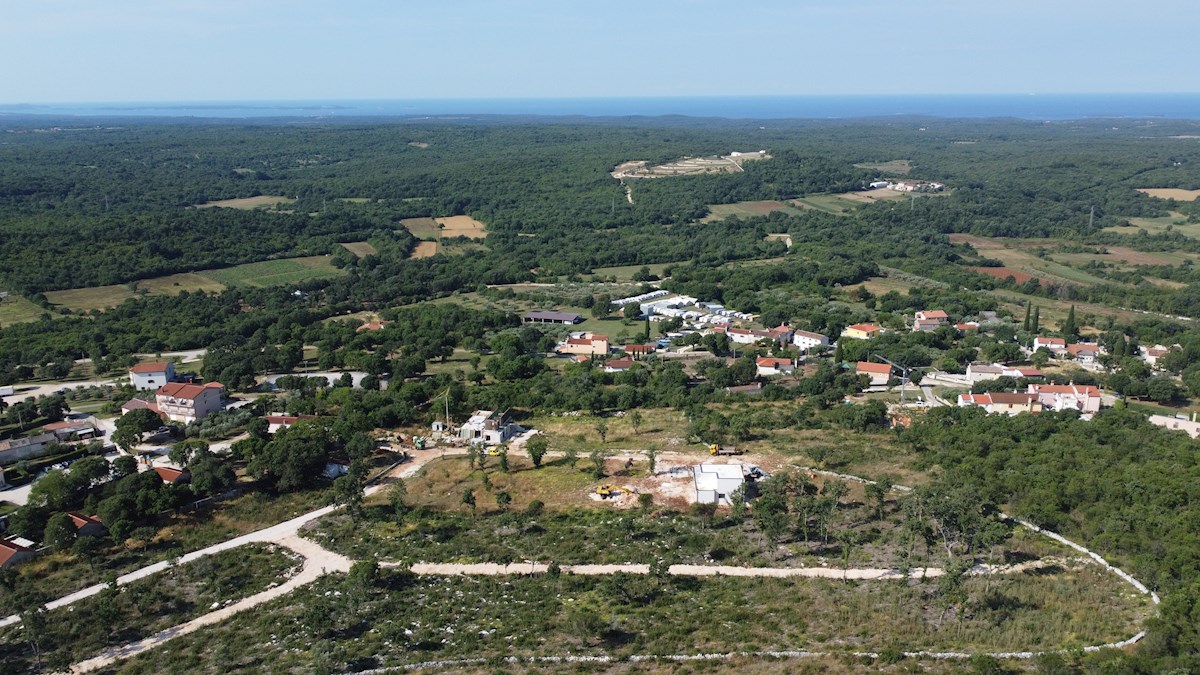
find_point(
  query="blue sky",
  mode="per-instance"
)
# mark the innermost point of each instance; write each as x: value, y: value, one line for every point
x: 189, y: 50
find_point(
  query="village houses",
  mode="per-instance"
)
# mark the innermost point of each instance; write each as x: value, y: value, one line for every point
x: 584, y: 344
x: 929, y: 320
x: 769, y: 366
x: 1057, y: 397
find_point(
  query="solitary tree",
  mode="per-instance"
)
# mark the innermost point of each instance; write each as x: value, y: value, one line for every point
x: 635, y: 420
x: 132, y: 425
x: 602, y: 430
x: 503, y: 499
x: 651, y: 459
x: 597, y: 458
x: 571, y: 455
x: 536, y: 447
x: 468, y: 498
x: 1070, y: 330
x: 396, y: 494
x: 1028, y: 315
x: 503, y: 459
x: 1034, y: 324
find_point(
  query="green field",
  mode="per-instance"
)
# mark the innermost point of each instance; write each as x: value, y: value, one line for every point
x: 422, y: 228
x: 747, y: 210
x: 259, y: 275
x: 16, y: 309
x: 626, y: 272
x: 1176, y: 221
x: 275, y: 272
x: 828, y: 203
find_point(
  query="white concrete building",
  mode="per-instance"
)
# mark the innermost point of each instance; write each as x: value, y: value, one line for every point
x: 487, y: 428
x: 805, y: 340
x: 151, y: 376
x: 189, y: 402
x: 716, y: 482
x: 1058, y: 397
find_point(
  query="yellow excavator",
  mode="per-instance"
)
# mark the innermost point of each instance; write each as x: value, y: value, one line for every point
x: 607, y: 490
x: 716, y: 449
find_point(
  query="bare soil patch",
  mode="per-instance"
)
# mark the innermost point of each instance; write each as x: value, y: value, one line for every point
x: 425, y: 249
x: 1177, y: 194
x: 462, y: 226
x: 247, y: 203
x: 1003, y: 273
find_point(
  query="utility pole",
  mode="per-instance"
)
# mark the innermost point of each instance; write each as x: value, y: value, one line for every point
x: 1092, y: 218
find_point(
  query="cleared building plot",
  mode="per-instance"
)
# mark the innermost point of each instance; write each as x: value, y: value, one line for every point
x: 687, y: 166
x: 248, y: 203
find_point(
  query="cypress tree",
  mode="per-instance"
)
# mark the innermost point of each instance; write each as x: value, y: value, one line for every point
x: 1025, y: 326
x: 1070, y: 330
x: 1033, y: 326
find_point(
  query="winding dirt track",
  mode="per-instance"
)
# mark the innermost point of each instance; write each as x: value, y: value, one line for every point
x: 319, y: 560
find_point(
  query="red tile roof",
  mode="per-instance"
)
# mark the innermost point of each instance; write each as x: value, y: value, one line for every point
x: 1082, y: 347
x: 620, y: 364
x: 80, y: 520
x: 169, y: 474
x: 8, y: 549
x: 865, y: 327
x: 188, y: 391
x: 772, y: 362
x: 880, y: 368
x: 934, y: 314
x: 152, y: 367
x: 1001, y: 398
x: 1077, y: 389
x: 138, y: 404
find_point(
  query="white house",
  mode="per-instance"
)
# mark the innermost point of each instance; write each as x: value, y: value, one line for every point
x: 189, y: 402
x: 488, y: 428
x: 1085, y: 399
x: 981, y: 372
x: 716, y: 482
x: 769, y: 365
x: 150, y: 376
x: 1190, y: 427
x: 929, y: 320
x: 805, y: 340
x: 1055, y: 345
x: 1002, y: 403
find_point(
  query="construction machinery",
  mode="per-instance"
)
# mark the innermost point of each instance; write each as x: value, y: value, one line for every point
x: 715, y: 449
x: 605, y: 491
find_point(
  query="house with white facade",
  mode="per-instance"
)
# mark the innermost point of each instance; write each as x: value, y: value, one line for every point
x: 584, y: 344
x: 770, y: 365
x: 982, y: 372
x: 1058, y: 397
x: 189, y: 402
x: 929, y: 320
x: 806, y: 340
x: 1002, y: 403
x: 1055, y: 345
x: 151, y: 376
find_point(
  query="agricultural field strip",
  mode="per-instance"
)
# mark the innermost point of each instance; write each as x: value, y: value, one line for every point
x: 319, y: 560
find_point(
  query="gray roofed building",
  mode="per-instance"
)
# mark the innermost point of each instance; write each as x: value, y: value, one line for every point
x: 552, y: 317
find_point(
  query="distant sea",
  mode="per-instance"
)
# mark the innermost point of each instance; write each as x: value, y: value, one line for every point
x: 1029, y: 107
